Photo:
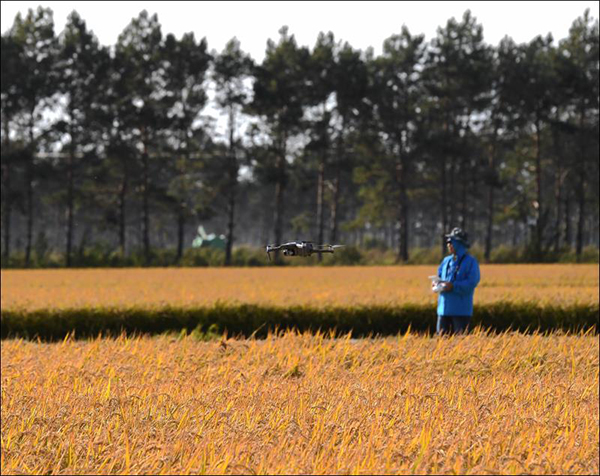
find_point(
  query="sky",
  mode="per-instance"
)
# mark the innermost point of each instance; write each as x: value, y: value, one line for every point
x: 360, y: 23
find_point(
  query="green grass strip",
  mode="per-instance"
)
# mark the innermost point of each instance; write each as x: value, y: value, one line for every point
x: 257, y: 320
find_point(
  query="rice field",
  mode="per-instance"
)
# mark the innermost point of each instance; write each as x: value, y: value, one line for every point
x: 295, y: 403
x: 314, y: 286
x: 301, y: 403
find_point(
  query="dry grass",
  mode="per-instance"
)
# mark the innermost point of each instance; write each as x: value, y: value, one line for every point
x: 321, y: 287
x: 508, y: 403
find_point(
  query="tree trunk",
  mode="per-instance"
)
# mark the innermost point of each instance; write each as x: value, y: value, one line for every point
x: 567, y: 204
x: 444, y: 204
x: 581, y: 187
x: 559, y: 179
x: 464, y: 210
x: 70, y: 201
x: 6, y: 198
x: 472, y: 191
x: 145, y: 202
x: 180, y: 230
x: 29, y: 209
x: 230, y: 222
x: 122, y: 196
x: 403, y: 231
x: 335, y: 189
x: 181, y: 168
x: 452, y: 190
x: 558, y: 182
x: 402, y: 209
x: 539, y: 221
x: 233, y: 170
x: 321, y: 181
x: 333, y: 211
x: 320, y: 204
x: 453, y: 179
x: 490, y: 204
x: 29, y: 173
x: 490, y: 224
x: 557, y: 211
x: 581, y: 217
x: 279, y: 190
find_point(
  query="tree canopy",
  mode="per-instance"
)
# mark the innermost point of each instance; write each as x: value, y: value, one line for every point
x: 112, y: 148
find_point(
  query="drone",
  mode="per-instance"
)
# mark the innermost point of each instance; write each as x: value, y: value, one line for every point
x: 301, y: 248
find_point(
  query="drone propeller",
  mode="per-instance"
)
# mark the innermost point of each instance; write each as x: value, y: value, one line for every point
x: 272, y: 248
x: 331, y: 247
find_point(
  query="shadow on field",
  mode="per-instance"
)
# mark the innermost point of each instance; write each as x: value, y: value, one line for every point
x: 257, y: 321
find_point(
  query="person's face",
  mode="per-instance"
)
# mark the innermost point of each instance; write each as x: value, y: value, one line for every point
x: 450, y: 247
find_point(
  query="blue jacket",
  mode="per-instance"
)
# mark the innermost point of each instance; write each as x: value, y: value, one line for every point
x: 459, y: 301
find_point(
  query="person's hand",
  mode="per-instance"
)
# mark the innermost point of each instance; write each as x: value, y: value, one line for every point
x: 447, y: 286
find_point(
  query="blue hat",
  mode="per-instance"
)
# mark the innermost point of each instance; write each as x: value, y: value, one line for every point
x: 459, y: 235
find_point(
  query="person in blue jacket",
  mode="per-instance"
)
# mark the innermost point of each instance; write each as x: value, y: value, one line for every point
x: 459, y: 275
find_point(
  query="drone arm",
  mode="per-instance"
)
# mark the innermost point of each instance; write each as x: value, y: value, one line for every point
x: 323, y: 249
x: 271, y: 248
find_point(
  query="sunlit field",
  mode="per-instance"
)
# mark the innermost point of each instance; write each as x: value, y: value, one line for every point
x: 314, y: 286
x: 486, y: 403
x: 480, y: 404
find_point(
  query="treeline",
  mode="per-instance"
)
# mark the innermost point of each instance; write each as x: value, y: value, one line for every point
x: 112, y: 148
